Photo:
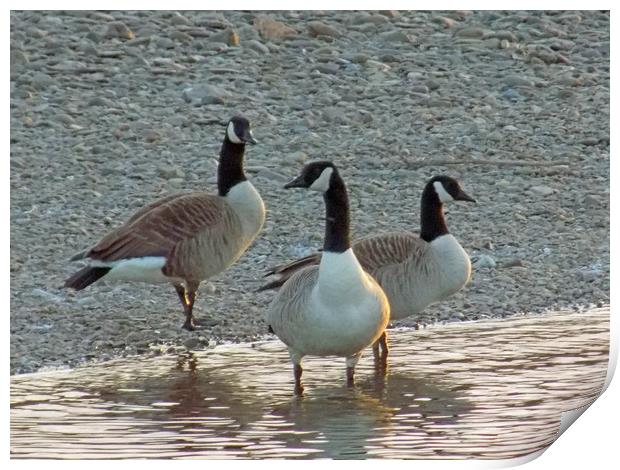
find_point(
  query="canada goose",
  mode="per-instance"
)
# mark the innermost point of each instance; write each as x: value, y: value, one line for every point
x: 335, y: 308
x: 413, y: 271
x: 184, y: 238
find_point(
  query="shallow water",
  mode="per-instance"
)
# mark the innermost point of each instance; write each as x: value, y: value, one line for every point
x: 492, y: 389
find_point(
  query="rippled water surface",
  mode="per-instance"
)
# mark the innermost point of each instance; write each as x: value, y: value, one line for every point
x: 492, y: 389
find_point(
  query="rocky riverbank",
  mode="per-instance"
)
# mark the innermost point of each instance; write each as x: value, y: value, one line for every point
x: 112, y: 110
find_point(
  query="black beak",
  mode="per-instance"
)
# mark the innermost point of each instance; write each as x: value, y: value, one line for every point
x: 249, y: 138
x: 296, y: 183
x: 463, y: 196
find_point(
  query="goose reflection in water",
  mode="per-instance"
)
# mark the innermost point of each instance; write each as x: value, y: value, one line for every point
x: 226, y: 409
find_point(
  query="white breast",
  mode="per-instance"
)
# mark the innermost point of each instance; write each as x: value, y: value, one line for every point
x: 249, y: 206
x: 454, y: 264
x: 340, y: 276
x: 343, y: 311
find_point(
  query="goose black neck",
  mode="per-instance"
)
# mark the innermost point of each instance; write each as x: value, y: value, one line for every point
x: 230, y: 167
x: 433, y: 222
x: 337, y: 219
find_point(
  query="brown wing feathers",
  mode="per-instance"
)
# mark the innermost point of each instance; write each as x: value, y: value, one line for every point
x: 373, y: 253
x: 156, y: 232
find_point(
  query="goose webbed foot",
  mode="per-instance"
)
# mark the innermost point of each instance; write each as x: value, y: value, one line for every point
x: 189, y: 324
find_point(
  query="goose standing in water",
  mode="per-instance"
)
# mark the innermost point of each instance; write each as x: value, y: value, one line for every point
x: 414, y: 272
x: 335, y: 308
x: 184, y: 238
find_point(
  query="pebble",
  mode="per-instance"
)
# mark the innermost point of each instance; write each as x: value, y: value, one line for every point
x: 205, y: 94
x: 257, y: 46
x: 273, y: 29
x: 513, y: 262
x: 178, y: 19
x: 228, y: 37
x: 483, y: 261
x: 317, y: 28
x: 329, y: 68
x: 511, y: 94
x: 119, y: 29
x: 470, y: 33
x: 592, y: 202
x: 397, y: 37
x: 170, y: 171
x: 518, y: 80
x: 542, y: 190
x: 41, y: 81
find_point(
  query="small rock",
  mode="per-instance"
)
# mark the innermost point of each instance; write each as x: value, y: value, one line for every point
x: 589, y: 141
x: 329, y: 68
x: 317, y: 28
x: 512, y: 263
x: 181, y: 37
x: 205, y: 94
x: 228, y: 37
x: 542, y: 190
x: 511, y: 94
x: 503, y: 35
x: 271, y: 175
x: 100, y: 101
x: 47, y: 296
x: 444, y: 21
x: 517, y: 80
x: 191, y: 343
x: 359, y: 58
x: 483, y: 261
x: 396, y: 37
x: 296, y: 158
x: 152, y: 136
x: 389, y: 13
x: 170, y: 171
x: 41, y: 80
x: 257, y: 46
x: 18, y: 57
x: 178, y: 19
x: 119, y: 29
x: 470, y: 33
x: 492, y: 43
x: 272, y: 29
x: 334, y: 114
x: 591, y: 201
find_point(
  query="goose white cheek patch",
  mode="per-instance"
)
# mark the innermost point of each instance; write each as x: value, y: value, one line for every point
x: 444, y: 196
x: 321, y: 184
x: 230, y: 132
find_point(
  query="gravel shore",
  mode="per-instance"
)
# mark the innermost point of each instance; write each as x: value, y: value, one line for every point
x: 110, y: 111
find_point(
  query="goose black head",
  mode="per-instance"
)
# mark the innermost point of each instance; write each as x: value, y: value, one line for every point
x: 238, y: 131
x: 448, y: 189
x: 315, y: 176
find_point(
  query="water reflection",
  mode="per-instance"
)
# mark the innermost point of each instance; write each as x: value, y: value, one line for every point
x: 489, y: 389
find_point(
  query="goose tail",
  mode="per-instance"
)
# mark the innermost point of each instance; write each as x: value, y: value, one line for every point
x: 86, y: 276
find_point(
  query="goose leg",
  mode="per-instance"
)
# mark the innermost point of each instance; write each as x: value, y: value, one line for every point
x: 375, y: 350
x: 385, y: 349
x: 351, y: 363
x: 182, y: 293
x: 297, y: 370
x: 380, y: 350
x: 190, y: 296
